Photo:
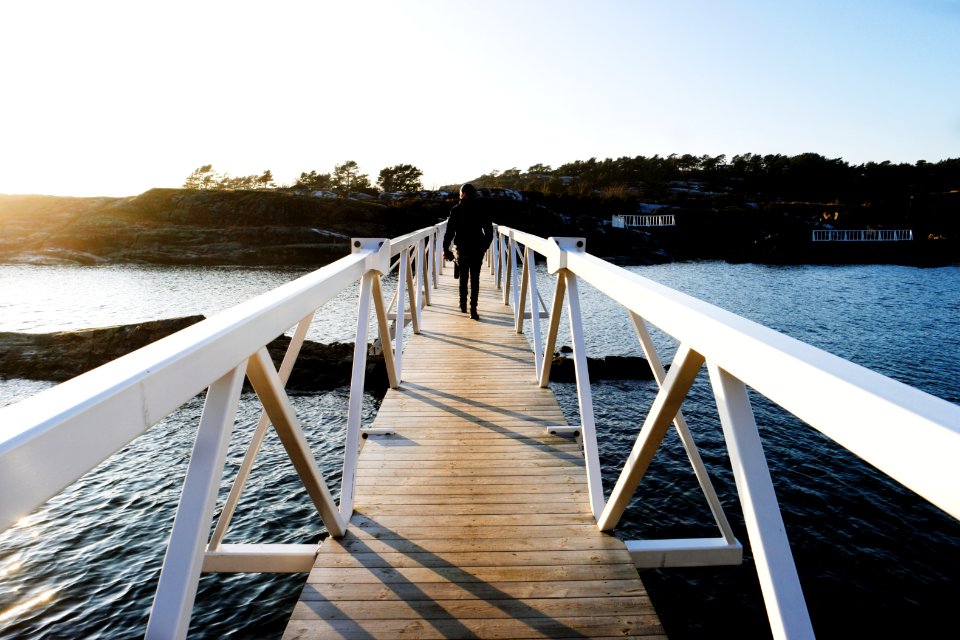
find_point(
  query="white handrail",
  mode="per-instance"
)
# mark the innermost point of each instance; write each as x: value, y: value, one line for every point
x: 53, y: 438
x: 910, y: 435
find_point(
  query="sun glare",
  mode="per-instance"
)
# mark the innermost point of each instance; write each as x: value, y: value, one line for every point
x: 28, y: 605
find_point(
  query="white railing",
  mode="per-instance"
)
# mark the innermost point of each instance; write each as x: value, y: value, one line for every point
x: 862, y: 235
x: 624, y: 221
x: 53, y: 438
x: 911, y: 436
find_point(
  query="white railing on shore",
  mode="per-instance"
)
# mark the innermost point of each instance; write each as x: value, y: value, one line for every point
x: 910, y: 435
x: 862, y: 235
x: 55, y: 437
x: 626, y: 221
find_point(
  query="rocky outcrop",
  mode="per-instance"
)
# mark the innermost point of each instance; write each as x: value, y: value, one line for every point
x: 178, y: 226
x: 64, y: 355
x: 609, y: 368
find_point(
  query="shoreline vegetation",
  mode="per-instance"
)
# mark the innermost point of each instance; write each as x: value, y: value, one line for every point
x: 751, y: 209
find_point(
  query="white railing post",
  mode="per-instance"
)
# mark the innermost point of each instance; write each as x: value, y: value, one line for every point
x: 402, y: 266
x: 520, y: 307
x: 412, y: 294
x: 435, y: 251
x: 502, y: 244
x: 423, y: 290
x: 508, y: 270
x: 514, y: 273
x: 173, y: 603
x: 530, y: 259
x: 786, y: 608
x: 355, y: 406
x: 495, y: 255
x: 591, y: 453
x: 438, y: 254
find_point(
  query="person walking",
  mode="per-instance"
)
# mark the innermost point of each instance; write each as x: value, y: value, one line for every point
x: 471, y: 230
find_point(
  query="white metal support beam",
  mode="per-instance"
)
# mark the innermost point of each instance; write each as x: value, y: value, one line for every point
x: 412, y: 294
x: 402, y: 267
x: 173, y: 603
x: 518, y: 310
x: 591, y: 453
x: 779, y: 583
x: 351, y: 449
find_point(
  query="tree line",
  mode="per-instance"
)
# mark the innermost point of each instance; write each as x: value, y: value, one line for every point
x: 343, y: 180
x: 807, y: 175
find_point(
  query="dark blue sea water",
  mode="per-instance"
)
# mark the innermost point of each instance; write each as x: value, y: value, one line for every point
x: 874, y: 559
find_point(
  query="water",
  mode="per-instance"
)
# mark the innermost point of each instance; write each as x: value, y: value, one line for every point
x: 873, y: 558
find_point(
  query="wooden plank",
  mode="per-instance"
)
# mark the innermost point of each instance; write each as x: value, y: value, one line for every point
x: 544, y: 472
x: 489, y: 520
x: 475, y: 574
x: 464, y: 507
x: 350, y: 543
x: 462, y: 609
x: 547, y: 464
x: 417, y: 533
x: 494, y: 629
x: 485, y: 590
x: 471, y: 520
x: 462, y: 559
x: 500, y: 481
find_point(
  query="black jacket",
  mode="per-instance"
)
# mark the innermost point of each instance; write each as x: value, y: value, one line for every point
x: 469, y: 227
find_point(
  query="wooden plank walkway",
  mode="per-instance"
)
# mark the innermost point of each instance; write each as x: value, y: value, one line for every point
x: 471, y: 521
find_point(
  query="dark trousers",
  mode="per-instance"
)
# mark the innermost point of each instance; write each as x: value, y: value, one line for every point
x: 470, y: 262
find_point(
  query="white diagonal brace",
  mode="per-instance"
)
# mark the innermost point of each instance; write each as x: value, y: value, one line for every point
x: 693, y: 454
x: 384, y: 331
x: 555, y: 310
x: 256, y: 441
x: 683, y: 371
x: 267, y: 384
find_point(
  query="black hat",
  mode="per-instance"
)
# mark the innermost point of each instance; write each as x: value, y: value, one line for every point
x: 468, y: 190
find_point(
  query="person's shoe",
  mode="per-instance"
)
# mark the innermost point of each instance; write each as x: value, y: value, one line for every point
x: 474, y: 315
x: 463, y: 307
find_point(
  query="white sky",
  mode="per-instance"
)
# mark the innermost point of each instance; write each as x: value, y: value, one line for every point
x: 113, y: 98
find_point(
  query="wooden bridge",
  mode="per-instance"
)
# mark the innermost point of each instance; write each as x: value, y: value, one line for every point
x: 471, y: 520
x: 470, y: 509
